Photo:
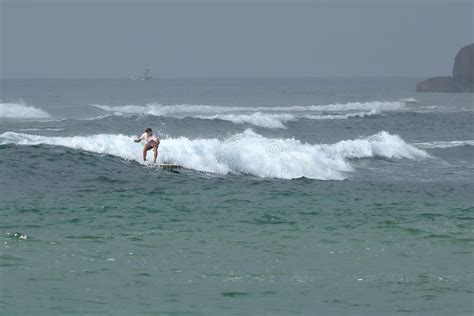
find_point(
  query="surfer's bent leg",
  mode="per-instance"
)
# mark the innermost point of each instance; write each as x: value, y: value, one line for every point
x: 147, y: 147
x: 155, y: 150
x: 144, y: 152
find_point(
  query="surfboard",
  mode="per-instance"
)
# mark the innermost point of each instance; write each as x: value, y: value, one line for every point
x: 170, y: 166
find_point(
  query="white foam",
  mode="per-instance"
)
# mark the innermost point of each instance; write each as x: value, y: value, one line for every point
x: 409, y: 100
x: 17, y: 110
x: 164, y: 110
x: 343, y: 116
x: 258, y: 116
x: 268, y: 120
x: 272, y: 120
x: 352, y: 106
x: 247, y: 152
x: 455, y: 143
x: 47, y: 129
x: 100, y: 117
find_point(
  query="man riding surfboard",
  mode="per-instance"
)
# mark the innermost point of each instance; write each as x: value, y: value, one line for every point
x: 151, y: 141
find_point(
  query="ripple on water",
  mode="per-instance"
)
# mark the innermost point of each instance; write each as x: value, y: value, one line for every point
x: 235, y: 294
x: 10, y: 261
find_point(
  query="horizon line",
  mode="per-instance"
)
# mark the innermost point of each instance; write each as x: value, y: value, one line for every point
x: 221, y: 77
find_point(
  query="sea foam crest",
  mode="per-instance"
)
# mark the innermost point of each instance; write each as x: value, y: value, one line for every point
x: 163, y: 110
x: 446, y: 144
x: 343, y: 116
x: 18, y: 110
x: 267, y: 120
x: 277, y: 120
x: 268, y: 117
x: 409, y: 100
x: 243, y: 153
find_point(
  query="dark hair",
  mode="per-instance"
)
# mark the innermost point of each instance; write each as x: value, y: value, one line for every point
x: 148, y: 130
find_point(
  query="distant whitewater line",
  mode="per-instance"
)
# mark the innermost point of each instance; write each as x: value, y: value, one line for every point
x: 243, y: 153
x: 43, y: 129
x: 343, y: 116
x: 409, y: 100
x: 258, y: 116
x: 163, y: 110
x: 258, y: 119
x: 18, y: 110
x: 449, y: 144
x: 270, y: 120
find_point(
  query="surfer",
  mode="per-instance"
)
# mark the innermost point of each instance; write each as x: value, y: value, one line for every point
x: 151, y: 142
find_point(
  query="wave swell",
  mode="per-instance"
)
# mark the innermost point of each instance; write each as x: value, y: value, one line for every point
x: 243, y: 153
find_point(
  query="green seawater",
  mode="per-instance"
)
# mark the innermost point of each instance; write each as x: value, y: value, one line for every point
x: 92, y: 231
x: 144, y: 241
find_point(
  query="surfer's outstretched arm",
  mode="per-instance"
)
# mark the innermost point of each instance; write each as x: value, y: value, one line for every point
x: 140, y: 138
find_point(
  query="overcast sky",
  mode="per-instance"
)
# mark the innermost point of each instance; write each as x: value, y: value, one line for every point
x: 232, y: 38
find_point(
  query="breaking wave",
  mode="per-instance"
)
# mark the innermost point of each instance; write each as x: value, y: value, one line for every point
x: 243, y: 153
x: 267, y: 120
x: 164, y: 110
x: 16, y: 110
x: 272, y: 120
x: 268, y: 117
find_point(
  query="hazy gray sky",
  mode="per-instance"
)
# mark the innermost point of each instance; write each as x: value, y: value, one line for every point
x: 232, y: 38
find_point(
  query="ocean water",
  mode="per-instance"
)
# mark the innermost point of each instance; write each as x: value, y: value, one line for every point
x: 297, y: 197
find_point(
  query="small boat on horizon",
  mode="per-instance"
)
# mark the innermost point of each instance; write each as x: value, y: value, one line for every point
x: 146, y: 75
